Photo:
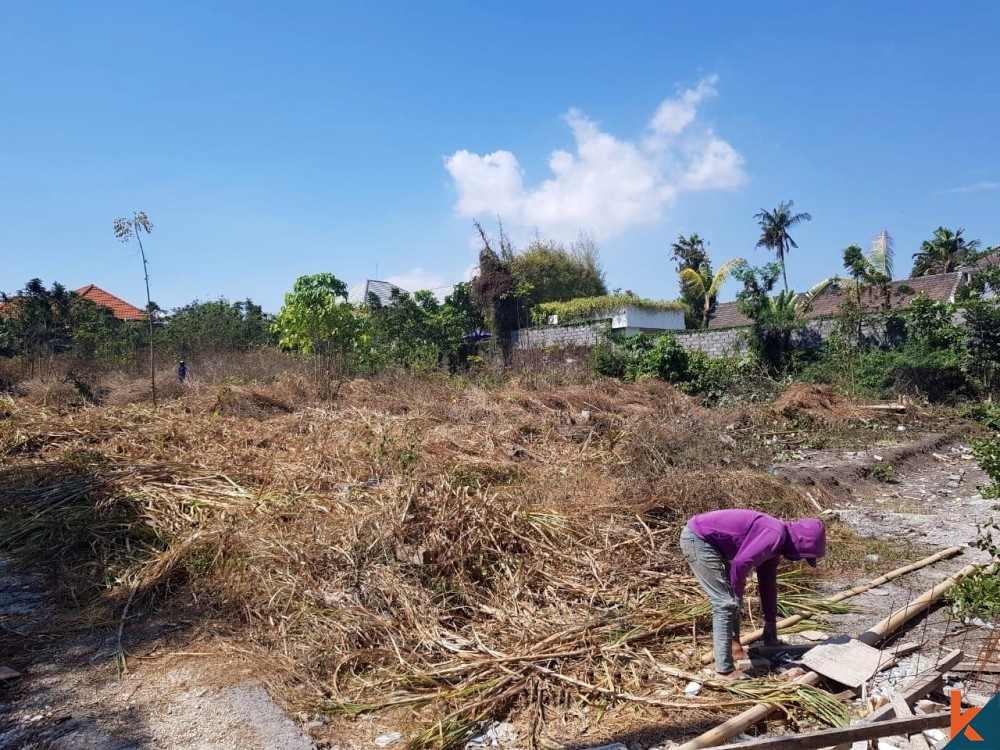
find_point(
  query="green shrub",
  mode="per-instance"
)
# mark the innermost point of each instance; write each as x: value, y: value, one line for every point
x: 988, y: 454
x: 608, y: 360
x: 883, y: 472
x: 982, y: 319
x: 661, y: 357
x: 987, y: 414
x: 710, y: 378
x: 641, y: 356
x: 978, y: 594
x: 935, y: 374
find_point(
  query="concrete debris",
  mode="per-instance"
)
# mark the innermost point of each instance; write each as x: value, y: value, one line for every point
x: 926, y: 706
x: 814, y: 635
x: 884, y: 684
x: 976, y: 700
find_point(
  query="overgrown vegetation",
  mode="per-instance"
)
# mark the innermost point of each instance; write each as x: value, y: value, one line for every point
x: 595, y: 308
x: 636, y: 357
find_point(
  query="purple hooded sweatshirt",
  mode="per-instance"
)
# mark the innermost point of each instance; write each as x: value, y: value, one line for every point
x: 749, y: 540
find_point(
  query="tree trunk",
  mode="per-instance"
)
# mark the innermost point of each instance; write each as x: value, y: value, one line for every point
x: 149, y: 314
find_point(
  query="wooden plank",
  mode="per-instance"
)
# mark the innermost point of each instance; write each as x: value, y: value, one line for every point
x: 851, y: 663
x: 971, y: 666
x: 788, y: 648
x: 856, y: 733
x: 877, y: 633
x: 920, y: 686
x: 917, y: 741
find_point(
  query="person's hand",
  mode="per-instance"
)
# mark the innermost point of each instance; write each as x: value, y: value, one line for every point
x: 770, y: 634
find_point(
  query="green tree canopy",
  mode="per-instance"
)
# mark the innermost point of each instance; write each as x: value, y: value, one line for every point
x: 38, y: 321
x: 549, y: 272
x: 418, y: 330
x: 945, y: 252
x: 689, y: 252
x: 216, y: 326
x: 775, y: 318
x: 316, y: 317
x: 774, y: 232
x: 701, y: 286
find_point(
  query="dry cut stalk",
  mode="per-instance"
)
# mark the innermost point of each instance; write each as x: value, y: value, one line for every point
x: 876, y: 633
x: 789, y: 621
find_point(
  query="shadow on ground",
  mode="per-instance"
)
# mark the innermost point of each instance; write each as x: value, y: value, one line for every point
x: 65, y: 530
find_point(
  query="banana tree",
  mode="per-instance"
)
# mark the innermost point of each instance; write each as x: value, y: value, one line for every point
x: 704, y: 285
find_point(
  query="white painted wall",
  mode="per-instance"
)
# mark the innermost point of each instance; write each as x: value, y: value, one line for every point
x: 634, y: 319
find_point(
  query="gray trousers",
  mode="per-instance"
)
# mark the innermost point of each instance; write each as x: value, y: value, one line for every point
x: 712, y: 571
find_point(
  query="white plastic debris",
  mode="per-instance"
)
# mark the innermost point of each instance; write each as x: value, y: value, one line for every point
x: 692, y: 689
x: 494, y: 735
x: 384, y: 740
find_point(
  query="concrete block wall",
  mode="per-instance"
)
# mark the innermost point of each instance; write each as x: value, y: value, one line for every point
x: 585, y: 334
x: 723, y: 342
x: 730, y: 342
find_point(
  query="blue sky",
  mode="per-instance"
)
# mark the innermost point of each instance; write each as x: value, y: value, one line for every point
x: 268, y: 141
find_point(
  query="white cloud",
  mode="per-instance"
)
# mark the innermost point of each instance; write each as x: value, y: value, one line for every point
x: 417, y: 279
x: 674, y: 115
x: 974, y: 188
x: 606, y: 184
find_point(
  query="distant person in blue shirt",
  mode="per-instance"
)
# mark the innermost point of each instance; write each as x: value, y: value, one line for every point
x: 182, y: 371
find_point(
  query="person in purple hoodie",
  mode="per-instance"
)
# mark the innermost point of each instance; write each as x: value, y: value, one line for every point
x: 722, y: 547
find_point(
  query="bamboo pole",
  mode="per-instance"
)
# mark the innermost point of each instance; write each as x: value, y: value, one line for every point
x: 860, y: 589
x: 901, y: 616
x: 878, y: 632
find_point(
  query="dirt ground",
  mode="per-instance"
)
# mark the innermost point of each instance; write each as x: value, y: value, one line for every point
x: 186, y: 694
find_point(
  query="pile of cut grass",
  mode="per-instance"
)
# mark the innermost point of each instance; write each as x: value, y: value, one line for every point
x: 452, y: 553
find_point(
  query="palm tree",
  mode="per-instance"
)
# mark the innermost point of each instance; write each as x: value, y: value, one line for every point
x: 689, y: 252
x: 945, y: 253
x: 774, y: 226
x: 704, y: 285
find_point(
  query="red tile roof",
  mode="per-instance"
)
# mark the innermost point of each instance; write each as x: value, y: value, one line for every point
x: 939, y: 287
x: 727, y: 316
x: 987, y: 262
x: 119, y: 307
